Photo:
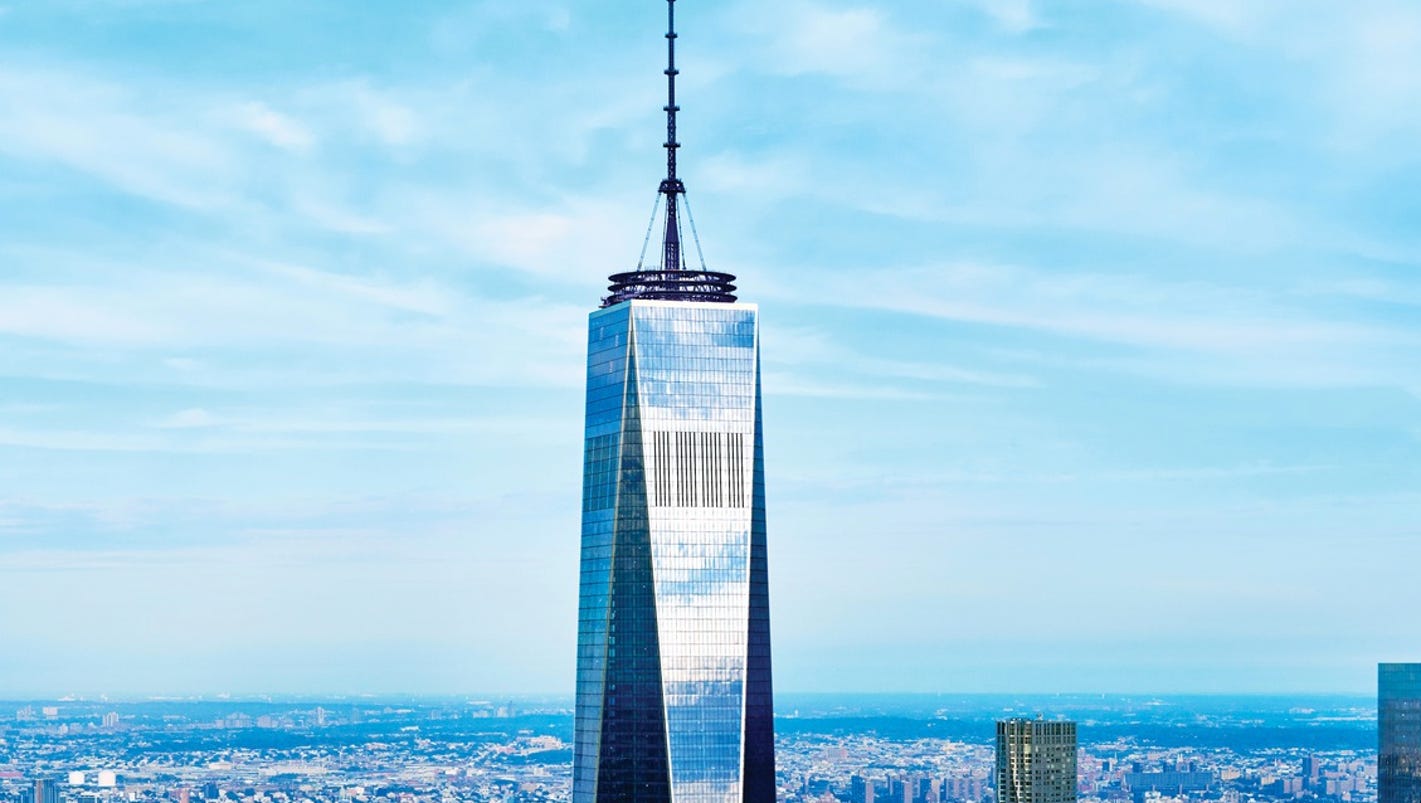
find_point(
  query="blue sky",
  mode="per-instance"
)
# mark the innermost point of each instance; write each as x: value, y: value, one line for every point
x: 1092, y: 334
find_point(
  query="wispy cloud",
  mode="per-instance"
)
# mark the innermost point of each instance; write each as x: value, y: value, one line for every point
x: 945, y: 372
x: 1216, y: 332
x: 1366, y: 55
x: 862, y: 45
x: 392, y: 122
x: 262, y: 304
x: 91, y: 127
x: 274, y: 127
x: 800, y: 385
x: 1386, y: 291
x: 55, y: 313
x: 191, y: 418
x: 77, y: 441
x: 1222, y: 14
x: 1016, y: 16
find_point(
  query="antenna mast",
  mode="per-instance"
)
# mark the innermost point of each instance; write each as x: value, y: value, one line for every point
x: 672, y: 280
x: 672, y: 187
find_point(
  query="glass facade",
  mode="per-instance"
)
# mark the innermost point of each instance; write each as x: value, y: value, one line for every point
x: 1036, y: 761
x: 1399, y: 732
x: 673, y: 667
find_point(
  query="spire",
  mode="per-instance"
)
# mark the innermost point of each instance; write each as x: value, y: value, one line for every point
x: 672, y: 187
x: 672, y: 280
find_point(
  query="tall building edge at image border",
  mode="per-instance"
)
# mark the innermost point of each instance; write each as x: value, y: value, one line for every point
x: 1399, y: 733
x: 674, y: 691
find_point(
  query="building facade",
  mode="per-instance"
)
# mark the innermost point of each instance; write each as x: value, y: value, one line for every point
x: 1036, y: 761
x: 1399, y: 733
x: 673, y: 679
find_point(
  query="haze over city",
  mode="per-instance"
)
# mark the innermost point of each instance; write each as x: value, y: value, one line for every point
x: 1090, y: 336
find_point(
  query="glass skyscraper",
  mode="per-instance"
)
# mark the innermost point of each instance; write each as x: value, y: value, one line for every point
x: 673, y: 678
x: 674, y: 700
x: 1399, y: 733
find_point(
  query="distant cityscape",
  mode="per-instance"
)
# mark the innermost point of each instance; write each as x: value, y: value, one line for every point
x: 867, y: 749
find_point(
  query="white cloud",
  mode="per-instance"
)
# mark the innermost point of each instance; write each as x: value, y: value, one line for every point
x: 335, y: 218
x: 576, y: 240
x: 274, y: 127
x: 860, y: 45
x: 801, y: 357
x: 291, y: 324
x: 423, y: 297
x: 93, y: 127
x: 788, y: 384
x: 192, y: 418
x: 1213, y: 332
x: 945, y: 372
x: 1226, y: 15
x: 183, y: 364
x: 56, y: 313
x: 527, y: 241
x: 763, y: 177
x: 1367, y: 54
x: 1016, y: 16
x: 1367, y: 288
x: 391, y: 122
x: 1375, y: 79
x: 528, y: 429
x: 78, y: 441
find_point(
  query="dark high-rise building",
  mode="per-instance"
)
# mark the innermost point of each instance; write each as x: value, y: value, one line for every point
x: 1399, y: 732
x: 44, y: 790
x: 1036, y: 761
x: 861, y: 789
x: 673, y: 664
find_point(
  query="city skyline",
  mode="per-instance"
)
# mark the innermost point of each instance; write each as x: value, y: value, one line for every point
x: 1120, y: 297
x: 1257, y: 750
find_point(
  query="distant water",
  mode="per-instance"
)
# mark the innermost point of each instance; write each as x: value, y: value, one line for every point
x: 1247, y: 722
x: 1166, y: 709
x: 1242, y: 722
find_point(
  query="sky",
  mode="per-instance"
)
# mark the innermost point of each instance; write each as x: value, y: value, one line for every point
x: 1091, y: 335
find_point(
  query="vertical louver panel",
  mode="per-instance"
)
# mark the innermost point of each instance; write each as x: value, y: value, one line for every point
x: 697, y: 469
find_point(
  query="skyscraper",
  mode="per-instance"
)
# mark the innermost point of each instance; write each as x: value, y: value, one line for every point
x: 1312, y: 768
x: 861, y: 789
x: 673, y: 666
x: 1399, y: 733
x: 44, y: 790
x: 1036, y: 761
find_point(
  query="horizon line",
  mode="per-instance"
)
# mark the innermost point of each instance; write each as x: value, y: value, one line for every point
x: 491, y: 696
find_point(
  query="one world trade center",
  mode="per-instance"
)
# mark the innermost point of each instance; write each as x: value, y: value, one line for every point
x: 674, y: 697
